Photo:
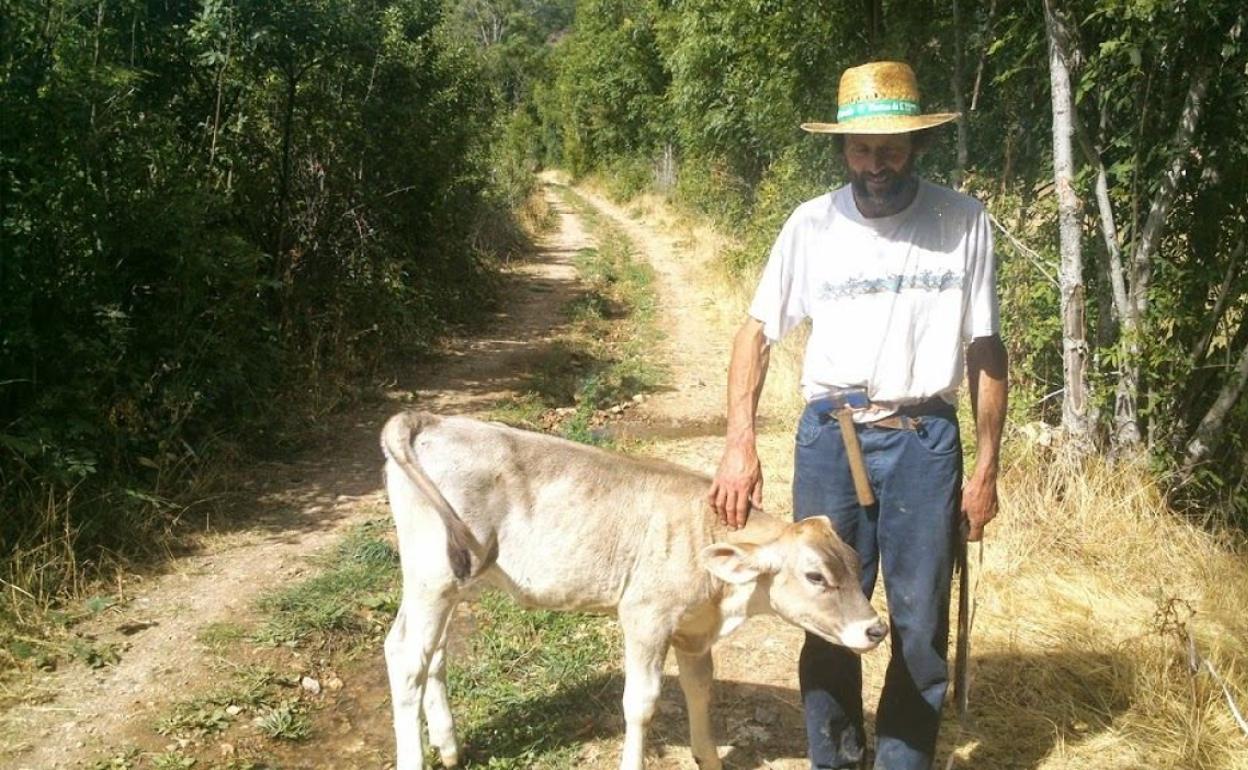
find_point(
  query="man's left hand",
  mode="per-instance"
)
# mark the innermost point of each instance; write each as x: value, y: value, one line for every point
x: 979, y: 503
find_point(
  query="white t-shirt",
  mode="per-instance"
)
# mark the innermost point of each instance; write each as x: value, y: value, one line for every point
x: 891, y: 299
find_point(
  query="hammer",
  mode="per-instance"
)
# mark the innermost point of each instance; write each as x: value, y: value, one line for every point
x: 853, y: 451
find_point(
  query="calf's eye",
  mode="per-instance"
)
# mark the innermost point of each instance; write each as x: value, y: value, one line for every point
x: 816, y: 578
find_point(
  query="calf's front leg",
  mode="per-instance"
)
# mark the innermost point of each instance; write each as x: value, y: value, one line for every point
x: 643, y: 676
x: 697, y: 671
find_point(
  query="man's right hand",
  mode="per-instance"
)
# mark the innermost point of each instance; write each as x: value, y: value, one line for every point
x: 738, y: 484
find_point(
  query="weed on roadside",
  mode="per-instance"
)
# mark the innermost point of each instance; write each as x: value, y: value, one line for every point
x: 125, y: 759
x: 348, y: 601
x: 248, y: 688
x: 287, y: 721
x: 219, y: 635
x: 173, y: 760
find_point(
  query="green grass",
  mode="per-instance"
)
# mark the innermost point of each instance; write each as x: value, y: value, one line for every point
x: 343, y: 608
x: 534, y: 685
x: 346, y: 603
x: 220, y: 635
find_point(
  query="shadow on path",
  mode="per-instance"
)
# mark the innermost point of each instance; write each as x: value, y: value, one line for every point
x: 1067, y: 695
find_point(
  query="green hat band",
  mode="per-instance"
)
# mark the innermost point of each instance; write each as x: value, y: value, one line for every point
x: 876, y: 108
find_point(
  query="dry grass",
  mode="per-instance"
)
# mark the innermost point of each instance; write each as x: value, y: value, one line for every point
x: 1089, y: 587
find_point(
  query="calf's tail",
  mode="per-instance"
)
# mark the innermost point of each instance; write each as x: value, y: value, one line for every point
x: 396, y: 442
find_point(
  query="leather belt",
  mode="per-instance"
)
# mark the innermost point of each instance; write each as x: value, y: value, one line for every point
x: 907, y: 417
x: 842, y: 407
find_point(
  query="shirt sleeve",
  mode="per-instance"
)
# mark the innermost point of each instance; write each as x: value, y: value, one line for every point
x: 779, y: 302
x: 982, y: 315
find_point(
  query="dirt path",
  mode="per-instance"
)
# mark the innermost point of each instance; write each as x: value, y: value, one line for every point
x: 306, y: 505
x: 303, y: 506
x: 758, y: 710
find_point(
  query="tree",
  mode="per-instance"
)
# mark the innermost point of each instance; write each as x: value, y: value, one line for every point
x: 1076, y: 419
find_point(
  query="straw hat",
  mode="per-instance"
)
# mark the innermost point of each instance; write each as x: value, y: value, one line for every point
x: 879, y: 98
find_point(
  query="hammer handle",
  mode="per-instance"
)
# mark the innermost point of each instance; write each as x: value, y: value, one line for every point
x: 853, y: 451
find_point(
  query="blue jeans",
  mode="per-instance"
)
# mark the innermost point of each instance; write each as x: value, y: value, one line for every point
x: 910, y: 533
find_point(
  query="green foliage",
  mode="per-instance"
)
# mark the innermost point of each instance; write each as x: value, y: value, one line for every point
x: 608, y: 84
x: 743, y: 76
x: 719, y: 88
x: 216, y: 219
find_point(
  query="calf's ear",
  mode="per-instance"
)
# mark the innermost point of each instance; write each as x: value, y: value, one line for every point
x: 734, y: 563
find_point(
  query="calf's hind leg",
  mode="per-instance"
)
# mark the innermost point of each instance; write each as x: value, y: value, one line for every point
x: 438, y: 707
x: 411, y: 648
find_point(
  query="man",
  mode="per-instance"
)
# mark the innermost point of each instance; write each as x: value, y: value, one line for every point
x: 896, y: 275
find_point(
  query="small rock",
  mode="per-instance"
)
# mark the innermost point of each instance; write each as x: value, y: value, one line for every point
x: 333, y: 684
x: 134, y: 626
x: 640, y: 397
x: 755, y: 734
x: 226, y: 749
x: 311, y: 685
x: 233, y: 711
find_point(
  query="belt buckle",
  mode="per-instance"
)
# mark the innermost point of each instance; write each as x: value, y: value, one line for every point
x: 849, y: 399
x: 855, y: 399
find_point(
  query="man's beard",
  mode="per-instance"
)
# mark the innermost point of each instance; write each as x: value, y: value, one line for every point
x: 889, y: 190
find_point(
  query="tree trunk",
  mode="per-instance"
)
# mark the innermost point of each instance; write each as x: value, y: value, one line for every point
x: 959, y: 101
x: 1209, y: 432
x: 283, y: 193
x: 983, y: 55
x: 1112, y: 288
x: 1075, y: 419
x: 1220, y: 300
x: 1126, y: 397
x: 873, y: 11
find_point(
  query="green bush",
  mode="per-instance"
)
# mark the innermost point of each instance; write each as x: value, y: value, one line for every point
x: 215, y: 219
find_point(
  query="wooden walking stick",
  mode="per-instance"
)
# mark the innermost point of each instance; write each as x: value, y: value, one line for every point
x: 961, y: 665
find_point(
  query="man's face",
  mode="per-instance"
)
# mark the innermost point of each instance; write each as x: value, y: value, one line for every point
x: 880, y: 166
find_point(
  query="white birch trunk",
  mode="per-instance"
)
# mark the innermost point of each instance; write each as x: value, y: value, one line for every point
x: 1127, y: 394
x: 1075, y: 418
x: 1209, y: 432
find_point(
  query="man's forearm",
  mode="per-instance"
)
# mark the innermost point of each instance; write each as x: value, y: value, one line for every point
x: 746, y: 374
x: 987, y: 374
